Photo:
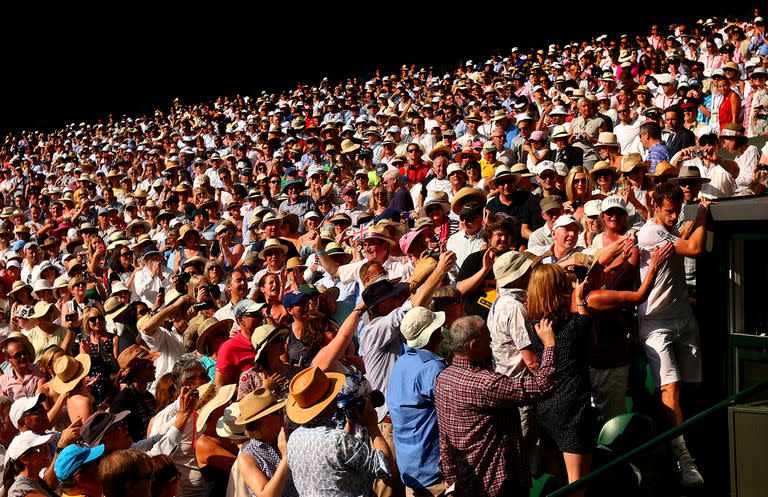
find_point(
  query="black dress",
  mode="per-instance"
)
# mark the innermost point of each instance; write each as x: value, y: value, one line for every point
x: 566, y: 419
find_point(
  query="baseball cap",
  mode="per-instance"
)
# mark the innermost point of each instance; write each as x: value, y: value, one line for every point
x: 613, y: 201
x: 550, y: 202
x: 95, y: 427
x: 25, y: 441
x: 74, y: 457
x: 22, y: 405
x: 247, y: 306
x: 292, y: 299
x: 566, y: 220
x: 545, y: 165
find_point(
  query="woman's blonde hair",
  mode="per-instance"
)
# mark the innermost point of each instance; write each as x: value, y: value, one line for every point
x: 549, y: 292
x: 45, y: 358
x: 372, y: 202
x: 88, y: 313
x: 569, y: 181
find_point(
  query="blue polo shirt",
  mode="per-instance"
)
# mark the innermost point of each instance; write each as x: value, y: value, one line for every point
x: 411, y: 400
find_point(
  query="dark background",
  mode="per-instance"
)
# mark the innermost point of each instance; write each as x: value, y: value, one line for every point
x: 82, y: 65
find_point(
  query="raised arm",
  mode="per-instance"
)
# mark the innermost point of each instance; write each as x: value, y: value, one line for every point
x: 694, y: 245
x: 326, y: 358
x: 424, y: 294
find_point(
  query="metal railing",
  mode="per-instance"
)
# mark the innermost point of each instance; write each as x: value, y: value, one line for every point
x: 677, y: 430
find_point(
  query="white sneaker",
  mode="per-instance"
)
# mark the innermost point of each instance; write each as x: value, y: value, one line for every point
x: 689, y: 473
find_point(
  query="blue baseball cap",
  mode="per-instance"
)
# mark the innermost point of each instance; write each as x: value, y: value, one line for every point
x: 74, y: 457
x: 292, y: 299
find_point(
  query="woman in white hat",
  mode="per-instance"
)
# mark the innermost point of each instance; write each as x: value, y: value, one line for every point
x: 27, y: 457
x: 55, y: 404
x: 262, y: 460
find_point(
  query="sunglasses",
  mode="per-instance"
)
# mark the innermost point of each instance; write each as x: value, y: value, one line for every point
x: 470, y: 219
x: 547, y: 176
x: 19, y: 355
x: 580, y: 180
x: 78, y: 285
x: 413, y: 150
x: 97, y: 319
x: 275, y: 182
x: 687, y: 182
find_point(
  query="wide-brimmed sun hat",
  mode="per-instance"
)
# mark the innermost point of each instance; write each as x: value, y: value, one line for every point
x: 419, y: 324
x: 68, y: 371
x: 311, y: 391
x: 258, y: 404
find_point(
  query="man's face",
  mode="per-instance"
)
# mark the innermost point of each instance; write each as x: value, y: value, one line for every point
x: 390, y: 183
x: 36, y: 419
x: 375, y: 250
x: 585, y: 108
x: 117, y: 437
x: 566, y: 236
x: 624, y: 114
x: 238, y: 285
x: 525, y: 128
x: 440, y: 166
x: 472, y: 223
x: 500, y: 241
x: 668, y: 213
x: 551, y: 215
x: 547, y: 180
x: 18, y: 356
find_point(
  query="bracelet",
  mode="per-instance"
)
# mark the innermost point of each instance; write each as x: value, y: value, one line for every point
x: 320, y: 252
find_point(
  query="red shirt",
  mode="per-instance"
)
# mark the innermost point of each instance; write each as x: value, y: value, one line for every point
x: 235, y: 356
x: 417, y: 173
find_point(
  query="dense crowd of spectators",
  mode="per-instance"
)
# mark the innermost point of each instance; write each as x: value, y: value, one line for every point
x: 417, y: 284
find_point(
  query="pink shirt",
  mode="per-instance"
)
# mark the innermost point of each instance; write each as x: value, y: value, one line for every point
x: 14, y: 388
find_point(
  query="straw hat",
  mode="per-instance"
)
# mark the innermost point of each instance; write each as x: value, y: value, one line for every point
x: 271, y: 244
x: 334, y: 249
x: 631, y: 161
x: 378, y: 232
x: 665, y: 170
x: 466, y: 153
x: 210, y: 327
x: 41, y: 309
x: 311, y: 391
x: 223, y: 395
x: 68, y: 371
x: 18, y: 286
x: 502, y: 172
x: 467, y: 194
x: 264, y: 334
x: 268, y: 218
x: 607, y: 139
x: 262, y: 402
x: 602, y: 166
x: 439, y: 148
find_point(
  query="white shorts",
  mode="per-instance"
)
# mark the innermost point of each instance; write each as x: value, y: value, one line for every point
x: 672, y: 348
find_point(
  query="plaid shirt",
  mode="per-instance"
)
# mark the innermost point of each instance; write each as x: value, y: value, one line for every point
x: 480, y: 434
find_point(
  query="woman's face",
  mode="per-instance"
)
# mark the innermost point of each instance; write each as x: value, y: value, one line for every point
x: 580, y: 184
x: 311, y: 223
x: 614, y: 220
x: 97, y: 323
x: 271, y: 286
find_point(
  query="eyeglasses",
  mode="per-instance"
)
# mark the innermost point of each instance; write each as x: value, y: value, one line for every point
x: 547, y: 176
x: 687, y: 182
x: 78, y: 285
x: 19, y: 355
x: 36, y: 450
x: 470, y: 219
x: 413, y: 150
x: 615, y: 212
x: 201, y: 376
x: 580, y: 180
x: 141, y: 312
x: 275, y: 181
x: 125, y: 254
x: 97, y: 319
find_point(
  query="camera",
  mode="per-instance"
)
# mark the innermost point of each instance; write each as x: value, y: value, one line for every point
x: 71, y: 317
x: 181, y: 282
x: 762, y: 167
x: 698, y: 153
x: 202, y: 306
x: 213, y: 290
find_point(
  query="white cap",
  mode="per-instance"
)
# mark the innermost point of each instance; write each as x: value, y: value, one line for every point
x: 13, y: 263
x: 592, y: 208
x: 562, y: 168
x: 545, y: 165
x: 523, y: 117
x: 452, y: 168
x: 25, y: 441
x: 613, y: 201
x: 566, y: 220
x: 22, y: 405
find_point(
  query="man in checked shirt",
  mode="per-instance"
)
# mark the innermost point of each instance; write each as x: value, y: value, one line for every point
x: 481, y: 449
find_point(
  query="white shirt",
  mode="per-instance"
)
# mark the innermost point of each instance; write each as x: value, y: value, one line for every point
x: 170, y: 345
x: 228, y: 312
x: 747, y: 163
x: 463, y: 245
x: 540, y: 240
x: 628, y: 136
x: 395, y: 267
x: 192, y: 482
x: 509, y: 332
x: 721, y: 184
x: 669, y: 295
x: 146, y: 287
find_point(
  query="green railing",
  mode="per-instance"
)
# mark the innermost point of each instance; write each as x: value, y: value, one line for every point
x: 677, y: 430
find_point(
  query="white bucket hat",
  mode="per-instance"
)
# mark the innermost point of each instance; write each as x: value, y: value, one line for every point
x: 419, y: 324
x: 509, y: 267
